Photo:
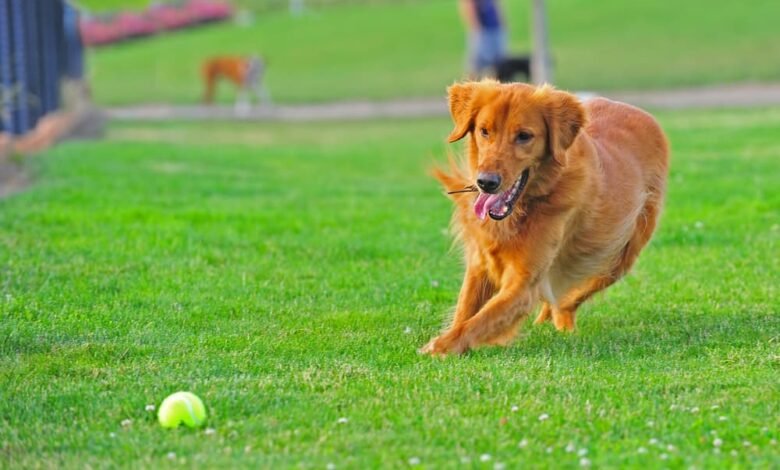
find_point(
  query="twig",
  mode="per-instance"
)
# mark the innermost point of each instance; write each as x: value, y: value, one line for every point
x: 467, y: 189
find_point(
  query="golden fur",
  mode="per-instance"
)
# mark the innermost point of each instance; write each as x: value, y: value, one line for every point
x: 591, y: 203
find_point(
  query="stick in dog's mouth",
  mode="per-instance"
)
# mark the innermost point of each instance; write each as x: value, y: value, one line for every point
x: 467, y: 189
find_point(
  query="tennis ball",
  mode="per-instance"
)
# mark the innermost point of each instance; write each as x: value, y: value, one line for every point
x: 182, y: 407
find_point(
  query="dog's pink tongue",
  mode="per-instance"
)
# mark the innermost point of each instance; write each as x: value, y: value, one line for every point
x: 483, y: 203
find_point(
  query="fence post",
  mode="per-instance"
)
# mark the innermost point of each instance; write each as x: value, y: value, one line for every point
x: 49, y: 65
x: 22, y: 115
x: 6, y: 76
x: 40, y: 46
x: 33, y: 59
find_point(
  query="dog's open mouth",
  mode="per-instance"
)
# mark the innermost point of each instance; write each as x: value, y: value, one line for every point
x: 499, y: 206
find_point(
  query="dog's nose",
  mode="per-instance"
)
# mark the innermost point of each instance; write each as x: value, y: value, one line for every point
x: 488, y: 182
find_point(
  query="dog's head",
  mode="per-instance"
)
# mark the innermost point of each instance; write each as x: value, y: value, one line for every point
x: 517, y: 132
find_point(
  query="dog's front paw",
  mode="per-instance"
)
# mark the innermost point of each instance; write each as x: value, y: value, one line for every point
x: 429, y: 348
x: 444, y: 345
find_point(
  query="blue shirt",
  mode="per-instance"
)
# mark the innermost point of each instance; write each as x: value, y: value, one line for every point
x: 487, y: 14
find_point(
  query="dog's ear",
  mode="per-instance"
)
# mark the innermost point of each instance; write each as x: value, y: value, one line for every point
x: 461, y: 99
x: 565, y: 117
x: 465, y: 100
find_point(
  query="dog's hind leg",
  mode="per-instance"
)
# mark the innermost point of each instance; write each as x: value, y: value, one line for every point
x: 642, y: 233
x: 549, y: 301
x: 563, y: 319
x: 545, y: 314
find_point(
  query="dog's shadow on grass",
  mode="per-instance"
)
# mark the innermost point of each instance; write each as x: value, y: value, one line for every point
x: 647, y: 334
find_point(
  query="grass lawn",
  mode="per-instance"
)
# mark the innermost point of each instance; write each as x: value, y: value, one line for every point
x: 407, y: 49
x: 287, y: 274
x: 102, y: 6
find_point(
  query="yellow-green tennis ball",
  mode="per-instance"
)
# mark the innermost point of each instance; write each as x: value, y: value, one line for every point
x: 182, y: 408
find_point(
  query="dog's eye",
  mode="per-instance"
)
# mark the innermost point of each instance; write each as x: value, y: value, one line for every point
x: 484, y: 132
x: 523, y: 137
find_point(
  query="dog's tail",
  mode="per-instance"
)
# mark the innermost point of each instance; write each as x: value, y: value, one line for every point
x: 452, y: 178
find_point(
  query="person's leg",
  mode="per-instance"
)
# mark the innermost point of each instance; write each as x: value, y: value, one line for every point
x: 484, y: 54
x: 495, y: 49
x: 472, y: 55
x: 502, y: 45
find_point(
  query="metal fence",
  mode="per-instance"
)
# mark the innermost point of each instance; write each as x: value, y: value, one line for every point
x: 39, y: 46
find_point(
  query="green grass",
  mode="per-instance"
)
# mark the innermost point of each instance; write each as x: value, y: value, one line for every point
x: 273, y: 270
x: 408, y: 49
x: 100, y: 6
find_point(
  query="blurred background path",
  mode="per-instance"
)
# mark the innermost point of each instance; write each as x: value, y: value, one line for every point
x: 733, y: 95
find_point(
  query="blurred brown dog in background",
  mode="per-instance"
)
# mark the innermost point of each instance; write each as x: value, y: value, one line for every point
x: 557, y: 200
x: 246, y: 73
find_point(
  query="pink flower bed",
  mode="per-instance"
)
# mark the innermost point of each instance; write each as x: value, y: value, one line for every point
x: 99, y: 30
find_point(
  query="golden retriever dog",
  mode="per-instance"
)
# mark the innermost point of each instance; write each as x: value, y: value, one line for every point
x: 557, y: 199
